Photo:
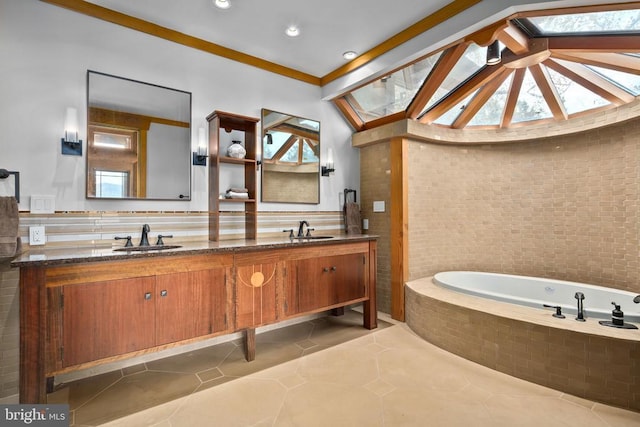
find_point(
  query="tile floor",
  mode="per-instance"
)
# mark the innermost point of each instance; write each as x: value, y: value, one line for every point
x: 328, y: 371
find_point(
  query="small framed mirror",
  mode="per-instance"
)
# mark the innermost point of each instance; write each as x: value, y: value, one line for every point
x: 138, y: 140
x: 290, y: 158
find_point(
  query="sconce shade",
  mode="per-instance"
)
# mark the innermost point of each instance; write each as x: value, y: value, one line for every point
x: 493, y: 53
x: 71, y: 145
x: 328, y: 168
x: 200, y: 155
x: 71, y: 125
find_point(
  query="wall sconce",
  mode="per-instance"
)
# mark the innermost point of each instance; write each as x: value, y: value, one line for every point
x: 328, y: 168
x: 71, y: 145
x: 200, y: 156
x: 493, y: 53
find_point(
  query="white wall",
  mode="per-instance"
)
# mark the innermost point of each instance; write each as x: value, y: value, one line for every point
x: 45, y: 52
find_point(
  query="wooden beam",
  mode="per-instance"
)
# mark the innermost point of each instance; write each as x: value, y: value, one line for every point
x: 165, y: 33
x: 514, y: 39
x: 595, y: 43
x: 549, y: 92
x: 612, y: 61
x: 349, y: 113
x: 512, y: 98
x: 478, y: 80
x: 384, y: 120
x: 480, y: 99
x: 486, y: 35
x: 439, y: 73
x: 591, y: 81
x: 399, y: 237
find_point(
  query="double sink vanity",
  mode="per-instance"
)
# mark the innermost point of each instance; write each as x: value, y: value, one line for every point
x: 83, y: 307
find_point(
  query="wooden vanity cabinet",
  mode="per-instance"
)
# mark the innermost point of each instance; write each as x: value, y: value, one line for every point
x: 316, y: 283
x: 76, y: 315
x: 89, y: 319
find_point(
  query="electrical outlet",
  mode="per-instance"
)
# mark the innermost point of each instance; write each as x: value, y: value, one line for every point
x: 37, y: 236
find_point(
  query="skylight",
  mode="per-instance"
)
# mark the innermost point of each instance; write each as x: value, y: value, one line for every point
x: 614, y: 21
x: 553, y: 67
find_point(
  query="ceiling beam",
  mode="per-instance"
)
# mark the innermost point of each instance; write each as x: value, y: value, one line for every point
x: 613, y: 61
x: 481, y: 98
x: 461, y: 92
x: 165, y: 33
x: 349, y: 113
x: 434, y: 80
x: 594, y: 43
x: 591, y: 81
x: 514, y: 39
x: 549, y: 92
x: 512, y: 98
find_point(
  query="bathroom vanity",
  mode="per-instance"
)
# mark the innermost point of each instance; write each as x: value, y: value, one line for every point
x: 80, y: 308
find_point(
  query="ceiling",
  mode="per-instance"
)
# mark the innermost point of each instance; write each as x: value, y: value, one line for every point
x: 328, y: 28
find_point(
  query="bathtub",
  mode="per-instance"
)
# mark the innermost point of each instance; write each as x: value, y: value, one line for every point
x: 534, y: 292
x: 521, y: 338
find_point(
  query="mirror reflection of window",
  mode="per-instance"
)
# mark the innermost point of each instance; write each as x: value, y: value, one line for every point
x: 142, y: 130
x: 113, y: 184
x: 290, y: 158
x: 117, y: 163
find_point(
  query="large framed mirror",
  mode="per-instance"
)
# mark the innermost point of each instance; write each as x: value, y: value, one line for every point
x: 290, y: 158
x: 138, y: 140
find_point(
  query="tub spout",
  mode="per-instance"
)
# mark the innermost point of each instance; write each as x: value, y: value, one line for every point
x: 580, y: 297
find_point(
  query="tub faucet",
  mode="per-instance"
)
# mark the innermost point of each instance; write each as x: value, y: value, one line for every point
x: 580, y: 297
x: 301, y: 228
x: 144, y: 240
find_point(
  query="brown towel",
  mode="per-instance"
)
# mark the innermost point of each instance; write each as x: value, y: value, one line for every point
x: 352, y: 218
x: 8, y: 227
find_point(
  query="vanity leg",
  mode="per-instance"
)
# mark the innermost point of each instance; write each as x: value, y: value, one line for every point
x: 370, y: 315
x: 50, y: 384
x: 337, y: 311
x: 32, y: 335
x: 250, y: 344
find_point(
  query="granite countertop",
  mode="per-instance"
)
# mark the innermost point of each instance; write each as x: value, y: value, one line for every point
x: 36, y: 256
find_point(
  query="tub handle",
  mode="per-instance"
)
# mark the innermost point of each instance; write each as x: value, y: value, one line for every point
x: 558, y: 314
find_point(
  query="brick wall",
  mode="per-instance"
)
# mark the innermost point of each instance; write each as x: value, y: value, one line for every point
x: 566, y: 207
x: 375, y: 185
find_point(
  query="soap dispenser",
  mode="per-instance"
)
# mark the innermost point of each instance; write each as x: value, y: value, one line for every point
x: 617, y: 316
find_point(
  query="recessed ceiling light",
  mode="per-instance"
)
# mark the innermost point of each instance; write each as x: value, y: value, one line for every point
x: 292, y: 31
x: 349, y: 55
x: 222, y: 4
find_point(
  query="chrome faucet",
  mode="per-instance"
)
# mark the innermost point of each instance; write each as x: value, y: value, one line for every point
x: 144, y: 240
x: 580, y: 297
x: 301, y: 228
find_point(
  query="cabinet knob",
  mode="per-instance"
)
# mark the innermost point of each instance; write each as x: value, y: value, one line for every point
x: 325, y: 270
x: 147, y: 295
x: 163, y: 293
x: 333, y: 268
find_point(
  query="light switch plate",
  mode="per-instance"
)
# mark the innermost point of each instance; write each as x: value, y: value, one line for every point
x: 378, y: 206
x: 37, y: 236
x: 42, y: 204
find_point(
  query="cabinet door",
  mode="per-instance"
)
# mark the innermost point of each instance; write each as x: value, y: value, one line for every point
x: 348, y: 277
x: 313, y: 284
x: 106, y: 319
x: 326, y: 281
x: 188, y: 305
x: 256, y: 287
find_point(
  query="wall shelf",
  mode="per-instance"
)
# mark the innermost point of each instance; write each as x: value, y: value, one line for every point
x: 220, y: 121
